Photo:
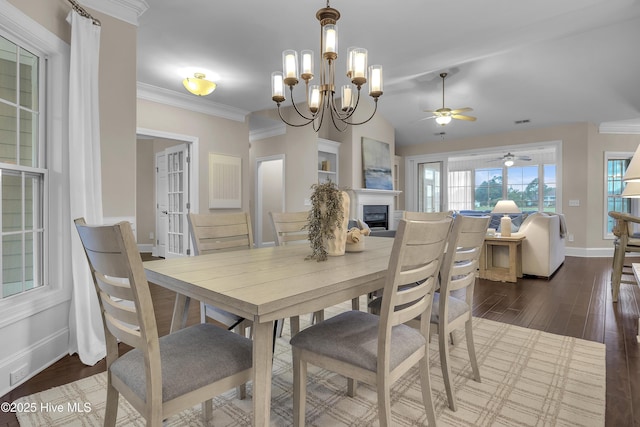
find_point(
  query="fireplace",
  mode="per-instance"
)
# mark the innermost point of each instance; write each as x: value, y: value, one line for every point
x: 376, y: 216
x: 381, y: 204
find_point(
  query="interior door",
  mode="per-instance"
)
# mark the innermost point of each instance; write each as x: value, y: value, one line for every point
x: 172, y: 195
x: 162, y: 202
x: 178, y: 200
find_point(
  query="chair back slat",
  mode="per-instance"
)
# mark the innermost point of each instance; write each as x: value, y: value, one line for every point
x: 120, y: 309
x: 289, y: 226
x: 426, y: 216
x: 123, y: 332
x: 115, y: 288
x: 220, y: 232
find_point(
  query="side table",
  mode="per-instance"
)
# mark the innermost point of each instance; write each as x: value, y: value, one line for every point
x: 501, y: 274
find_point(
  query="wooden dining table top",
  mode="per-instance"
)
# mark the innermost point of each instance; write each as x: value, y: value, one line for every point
x: 270, y: 283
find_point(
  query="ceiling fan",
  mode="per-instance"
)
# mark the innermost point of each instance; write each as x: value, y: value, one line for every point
x: 444, y: 115
x: 508, y: 159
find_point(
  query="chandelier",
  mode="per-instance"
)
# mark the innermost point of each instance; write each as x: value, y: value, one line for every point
x: 321, y: 97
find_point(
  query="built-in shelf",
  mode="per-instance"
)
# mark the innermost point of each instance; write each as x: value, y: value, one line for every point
x: 328, y: 160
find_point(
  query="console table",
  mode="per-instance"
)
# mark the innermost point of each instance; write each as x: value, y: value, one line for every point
x: 502, y: 274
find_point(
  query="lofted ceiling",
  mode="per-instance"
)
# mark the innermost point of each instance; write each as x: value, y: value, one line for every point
x: 546, y: 61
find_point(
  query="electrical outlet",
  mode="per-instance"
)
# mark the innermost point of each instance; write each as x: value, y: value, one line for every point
x: 151, y: 236
x: 570, y: 237
x: 19, y: 374
x: 307, y: 202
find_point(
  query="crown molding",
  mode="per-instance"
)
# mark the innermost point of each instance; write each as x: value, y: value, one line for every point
x: 621, y: 127
x: 267, y: 132
x: 124, y: 10
x: 189, y: 102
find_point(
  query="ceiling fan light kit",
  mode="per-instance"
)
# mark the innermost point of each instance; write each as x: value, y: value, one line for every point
x: 444, y: 115
x: 509, y: 159
x: 321, y: 97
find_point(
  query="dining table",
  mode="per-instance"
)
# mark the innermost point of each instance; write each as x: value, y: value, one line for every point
x: 267, y: 284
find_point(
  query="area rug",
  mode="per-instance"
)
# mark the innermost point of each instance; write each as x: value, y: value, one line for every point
x: 529, y: 378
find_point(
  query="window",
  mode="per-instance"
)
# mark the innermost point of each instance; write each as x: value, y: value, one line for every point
x: 22, y: 172
x: 615, y: 167
x: 488, y: 188
x: 491, y: 180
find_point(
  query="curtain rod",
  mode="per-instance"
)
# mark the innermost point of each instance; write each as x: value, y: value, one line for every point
x: 82, y: 12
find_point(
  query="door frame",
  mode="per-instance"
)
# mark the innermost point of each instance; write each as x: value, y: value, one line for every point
x: 257, y: 215
x: 194, y: 143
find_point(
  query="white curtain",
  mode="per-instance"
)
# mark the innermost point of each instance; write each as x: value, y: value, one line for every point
x: 86, y: 334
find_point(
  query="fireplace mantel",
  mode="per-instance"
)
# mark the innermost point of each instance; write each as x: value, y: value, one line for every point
x: 371, y: 196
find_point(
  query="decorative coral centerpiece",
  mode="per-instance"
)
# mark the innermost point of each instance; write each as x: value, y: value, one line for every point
x: 327, y: 221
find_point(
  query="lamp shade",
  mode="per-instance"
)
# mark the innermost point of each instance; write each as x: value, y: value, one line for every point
x: 506, y: 207
x: 632, y: 190
x: 633, y: 170
x: 198, y: 85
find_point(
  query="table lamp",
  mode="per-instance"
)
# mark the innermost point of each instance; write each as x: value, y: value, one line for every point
x: 631, y: 190
x: 506, y: 207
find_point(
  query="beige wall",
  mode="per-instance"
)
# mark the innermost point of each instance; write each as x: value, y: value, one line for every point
x: 215, y: 135
x: 582, y: 170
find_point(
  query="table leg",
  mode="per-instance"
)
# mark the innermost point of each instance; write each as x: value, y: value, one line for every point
x: 262, y: 361
x: 513, y: 262
x: 180, y: 312
x: 483, y: 261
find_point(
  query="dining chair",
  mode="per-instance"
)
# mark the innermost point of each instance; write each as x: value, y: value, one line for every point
x: 626, y: 241
x: 378, y: 350
x: 290, y: 228
x: 452, y: 304
x: 213, y: 233
x: 373, y: 300
x: 160, y: 376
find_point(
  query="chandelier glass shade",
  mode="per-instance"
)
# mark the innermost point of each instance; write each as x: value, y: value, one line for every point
x: 321, y: 97
x: 198, y: 85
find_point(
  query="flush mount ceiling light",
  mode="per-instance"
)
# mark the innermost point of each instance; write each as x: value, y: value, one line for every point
x: 198, y: 85
x: 320, y: 98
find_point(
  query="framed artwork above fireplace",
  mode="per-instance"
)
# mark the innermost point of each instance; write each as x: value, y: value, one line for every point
x: 376, y: 164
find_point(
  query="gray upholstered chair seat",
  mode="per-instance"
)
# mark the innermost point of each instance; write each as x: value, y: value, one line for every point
x: 213, y: 354
x: 457, y: 308
x: 353, y: 337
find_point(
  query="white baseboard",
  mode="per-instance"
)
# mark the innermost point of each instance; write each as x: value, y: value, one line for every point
x: 590, y: 252
x: 145, y: 248
x: 37, y: 357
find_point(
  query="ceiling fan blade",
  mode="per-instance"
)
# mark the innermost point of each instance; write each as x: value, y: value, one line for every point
x: 525, y: 158
x: 461, y: 117
x: 461, y: 110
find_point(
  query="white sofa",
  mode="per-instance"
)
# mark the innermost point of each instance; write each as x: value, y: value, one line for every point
x: 543, y: 248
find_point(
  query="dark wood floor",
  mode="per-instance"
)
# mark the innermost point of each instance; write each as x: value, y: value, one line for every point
x: 575, y: 302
